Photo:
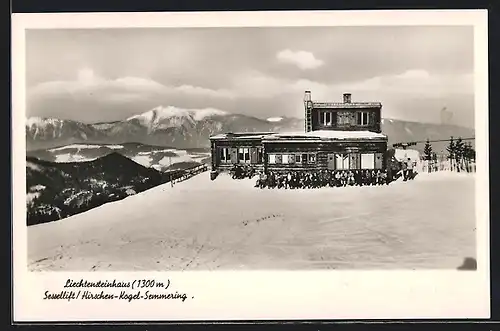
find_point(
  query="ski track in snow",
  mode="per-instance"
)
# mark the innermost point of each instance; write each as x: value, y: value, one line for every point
x: 226, y: 224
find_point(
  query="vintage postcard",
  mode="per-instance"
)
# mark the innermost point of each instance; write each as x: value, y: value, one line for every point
x: 250, y: 166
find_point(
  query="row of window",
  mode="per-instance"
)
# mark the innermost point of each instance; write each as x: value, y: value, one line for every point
x: 342, y: 161
x: 241, y: 155
x: 355, y: 161
x: 255, y: 155
x: 327, y: 118
x: 292, y: 158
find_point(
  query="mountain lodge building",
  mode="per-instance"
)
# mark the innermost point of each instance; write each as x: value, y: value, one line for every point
x: 338, y: 136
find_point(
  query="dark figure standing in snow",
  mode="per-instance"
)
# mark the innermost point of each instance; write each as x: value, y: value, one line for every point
x: 404, y: 169
x: 358, y: 178
x: 379, y: 177
x: 343, y: 178
x: 410, y: 169
x: 350, y: 179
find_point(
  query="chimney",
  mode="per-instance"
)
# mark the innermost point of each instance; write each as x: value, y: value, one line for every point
x: 307, y: 96
x: 347, y: 97
x: 308, y: 109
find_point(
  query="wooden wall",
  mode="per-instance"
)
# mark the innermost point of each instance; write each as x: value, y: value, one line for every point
x: 233, y: 145
x: 333, y: 147
x: 320, y: 150
x: 374, y: 115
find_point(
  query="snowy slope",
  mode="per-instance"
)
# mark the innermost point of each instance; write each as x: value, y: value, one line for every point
x: 227, y: 224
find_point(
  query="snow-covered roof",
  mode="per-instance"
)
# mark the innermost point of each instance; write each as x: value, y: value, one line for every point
x: 322, y: 135
x: 241, y: 135
x: 346, y: 105
x: 313, y: 136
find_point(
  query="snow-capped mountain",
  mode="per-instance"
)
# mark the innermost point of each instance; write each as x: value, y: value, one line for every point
x: 275, y: 119
x: 161, y: 118
x: 191, y: 128
x: 55, y: 132
x: 160, y: 126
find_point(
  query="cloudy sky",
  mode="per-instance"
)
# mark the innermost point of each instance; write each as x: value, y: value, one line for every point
x: 93, y: 75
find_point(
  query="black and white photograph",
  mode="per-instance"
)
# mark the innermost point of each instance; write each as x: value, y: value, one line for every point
x: 329, y: 148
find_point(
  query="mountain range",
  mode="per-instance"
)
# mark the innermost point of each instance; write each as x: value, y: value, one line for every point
x: 161, y: 126
x: 187, y: 129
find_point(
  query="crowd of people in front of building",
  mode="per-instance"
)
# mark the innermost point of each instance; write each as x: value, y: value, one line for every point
x: 242, y: 171
x: 325, y: 178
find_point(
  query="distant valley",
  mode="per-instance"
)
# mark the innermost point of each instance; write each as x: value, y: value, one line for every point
x: 157, y: 157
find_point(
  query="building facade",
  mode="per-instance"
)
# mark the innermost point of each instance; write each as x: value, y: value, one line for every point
x: 337, y: 136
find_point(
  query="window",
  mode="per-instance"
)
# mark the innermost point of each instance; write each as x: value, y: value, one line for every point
x: 278, y: 158
x: 297, y: 158
x: 342, y: 161
x: 367, y: 161
x: 224, y: 155
x: 363, y: 118
x: 284, y: 158
x: 272, y: 158
x: 379, y: 160
x: 259, y: 155
x: 244, y: 155
x: 311, y: 158
x: 355, y: 160
x: 326, y: 118
x: 291, y: 158
x: 343, y: 118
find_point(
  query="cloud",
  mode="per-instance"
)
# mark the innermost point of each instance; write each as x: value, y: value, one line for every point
x: 196, y: 90
x: 86, y: 75
x: 414, y: 74
x: 250, y: 85
x: 418, y: 83
x: 90, y: 86
x: 94, y: 98
x: 411, y: 82
x: 302, y: 59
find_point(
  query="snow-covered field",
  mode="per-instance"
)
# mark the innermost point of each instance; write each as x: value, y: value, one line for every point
x: 226, y: 224
x: 147, y: 158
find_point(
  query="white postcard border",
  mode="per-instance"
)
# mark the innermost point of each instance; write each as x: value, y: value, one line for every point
x: 260, y: 295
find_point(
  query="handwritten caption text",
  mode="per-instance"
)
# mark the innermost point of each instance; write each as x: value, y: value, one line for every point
x: 139, y: 289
